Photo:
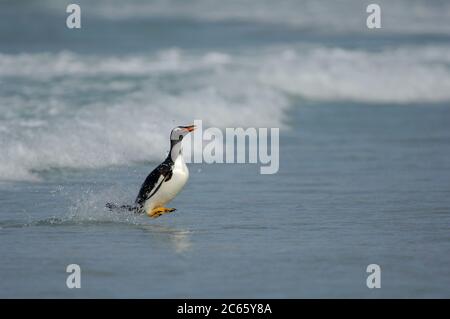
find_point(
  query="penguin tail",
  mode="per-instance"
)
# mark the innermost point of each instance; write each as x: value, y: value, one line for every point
x: 127, y: 208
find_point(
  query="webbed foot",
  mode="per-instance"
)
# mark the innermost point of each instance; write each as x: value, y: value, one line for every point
x: 158, y: 211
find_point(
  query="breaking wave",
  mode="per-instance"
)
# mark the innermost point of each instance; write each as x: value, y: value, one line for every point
x: 86, y: 111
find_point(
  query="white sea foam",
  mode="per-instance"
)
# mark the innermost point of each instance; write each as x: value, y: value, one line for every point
x: 78, y: 111
x: 404, y: 75
x: 66, y: 110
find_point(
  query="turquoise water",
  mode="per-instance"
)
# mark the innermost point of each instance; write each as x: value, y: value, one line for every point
x: 364, y: 149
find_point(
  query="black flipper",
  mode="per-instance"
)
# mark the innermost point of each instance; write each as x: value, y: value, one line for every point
x: 154, y: 181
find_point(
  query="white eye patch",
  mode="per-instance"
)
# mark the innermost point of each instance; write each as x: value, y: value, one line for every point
x: 177, y: 134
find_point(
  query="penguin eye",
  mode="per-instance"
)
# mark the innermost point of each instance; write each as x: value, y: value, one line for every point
x: 180, y: 137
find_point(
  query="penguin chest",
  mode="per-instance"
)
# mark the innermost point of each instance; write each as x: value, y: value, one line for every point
x: 169, y: 189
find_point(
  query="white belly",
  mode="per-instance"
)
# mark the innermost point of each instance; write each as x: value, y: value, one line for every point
x: 171, y: 188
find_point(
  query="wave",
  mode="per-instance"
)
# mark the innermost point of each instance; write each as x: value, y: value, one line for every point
x: 86, y: 111
x: 68, y: 110
x: 399, y: 75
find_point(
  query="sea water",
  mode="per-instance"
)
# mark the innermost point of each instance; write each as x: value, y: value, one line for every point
x: 364, y: 177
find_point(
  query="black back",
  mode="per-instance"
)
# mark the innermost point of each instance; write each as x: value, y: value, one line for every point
x: 150, y: 187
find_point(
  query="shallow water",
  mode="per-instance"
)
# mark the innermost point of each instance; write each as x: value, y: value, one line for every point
x: 353, y: 189
x: 364, y: 153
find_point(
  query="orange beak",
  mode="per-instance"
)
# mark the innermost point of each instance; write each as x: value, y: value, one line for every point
x: 190, y: 128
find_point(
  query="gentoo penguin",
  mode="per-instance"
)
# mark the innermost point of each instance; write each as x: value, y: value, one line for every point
x: 166, y: 180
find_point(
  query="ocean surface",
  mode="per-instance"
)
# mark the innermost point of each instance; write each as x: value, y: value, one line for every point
x: 364, y: 178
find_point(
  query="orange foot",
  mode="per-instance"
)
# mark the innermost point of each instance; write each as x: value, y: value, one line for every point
x: 158, y: 211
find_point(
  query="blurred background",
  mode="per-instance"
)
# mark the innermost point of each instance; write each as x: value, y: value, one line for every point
x: 364, y: 175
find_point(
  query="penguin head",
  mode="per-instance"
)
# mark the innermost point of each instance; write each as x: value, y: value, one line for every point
x: 179, y: 132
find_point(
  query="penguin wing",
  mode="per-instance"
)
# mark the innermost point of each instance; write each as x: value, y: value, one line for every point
x: 153, y: 182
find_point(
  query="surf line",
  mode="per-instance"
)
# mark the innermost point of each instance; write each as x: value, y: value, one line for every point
x: 234, y: 146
